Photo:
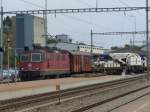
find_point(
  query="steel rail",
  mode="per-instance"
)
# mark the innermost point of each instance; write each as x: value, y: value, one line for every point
x: 113, y: 98
x: 146, y: 94
x: 50, y: 97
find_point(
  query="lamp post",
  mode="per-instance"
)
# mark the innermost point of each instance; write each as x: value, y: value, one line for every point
x: 45, y: 22
x: 92, y: 45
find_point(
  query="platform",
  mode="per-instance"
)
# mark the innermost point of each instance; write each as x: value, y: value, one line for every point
x: 21, y: 89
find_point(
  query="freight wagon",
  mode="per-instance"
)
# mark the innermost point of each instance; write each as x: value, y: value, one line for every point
x: 113, y: 63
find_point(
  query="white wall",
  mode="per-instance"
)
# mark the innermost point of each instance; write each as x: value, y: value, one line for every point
x: 39, y: 31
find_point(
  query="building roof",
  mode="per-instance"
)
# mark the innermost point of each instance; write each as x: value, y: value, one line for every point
x: 79, y: 53
x: 79, y: 45
x: 126, y: 50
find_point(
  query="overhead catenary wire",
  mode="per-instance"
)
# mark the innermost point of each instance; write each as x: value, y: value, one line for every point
x: 81, y: 20
x: 120, y: 33
x: 74, y: 18
x: 44, y: 15
x: 74, y: 11
x: 83, y: 2
x: 85, y: 21
x: 31, y: 3
x: 68, y: 27
x: 125, y: 4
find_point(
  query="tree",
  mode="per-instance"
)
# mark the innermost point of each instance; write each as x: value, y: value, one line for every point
x: 7, y: 22
x: 126, y: 46
x: 49, y: 41
x: 114, y: 48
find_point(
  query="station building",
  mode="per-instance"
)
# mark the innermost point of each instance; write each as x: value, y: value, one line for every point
x: 63, y: 38
x: 77, y: 47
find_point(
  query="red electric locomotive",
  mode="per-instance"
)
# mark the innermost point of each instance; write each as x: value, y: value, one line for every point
x: 44, y: 63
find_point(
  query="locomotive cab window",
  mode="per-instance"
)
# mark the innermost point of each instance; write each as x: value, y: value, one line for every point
x: 43, y: 57
x: 35, y: 57
x: 24, y: 58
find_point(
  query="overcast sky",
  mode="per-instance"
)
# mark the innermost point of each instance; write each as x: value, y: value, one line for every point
x: 78, y: 26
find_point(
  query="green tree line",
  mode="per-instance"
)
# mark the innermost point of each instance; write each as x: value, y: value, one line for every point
x: 8, y: 42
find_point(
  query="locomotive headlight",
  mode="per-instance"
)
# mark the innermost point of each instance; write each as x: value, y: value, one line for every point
x: 29, y: 65
x: 37, y: 68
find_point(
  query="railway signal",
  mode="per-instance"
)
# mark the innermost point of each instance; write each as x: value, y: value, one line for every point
x: 147, y: 38
x: 59, y: 93
x: 1, y: 49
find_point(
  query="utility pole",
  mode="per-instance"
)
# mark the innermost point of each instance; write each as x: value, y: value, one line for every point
x: 8, y: 53
x: 147, y: 37
x: 96, y: 3
x: 92, y: 44
x: 45, y: 22
x: 15, y: 60
x: 1, y: 40
x: 134, y: 30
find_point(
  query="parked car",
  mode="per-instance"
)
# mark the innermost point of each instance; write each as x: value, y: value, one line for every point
x: 7, y: 74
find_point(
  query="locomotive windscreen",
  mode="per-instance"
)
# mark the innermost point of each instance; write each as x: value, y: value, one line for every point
x: 36, y: 57
x: 24, y: 58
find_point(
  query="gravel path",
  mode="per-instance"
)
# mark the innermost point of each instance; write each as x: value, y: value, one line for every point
x: 44, y: 83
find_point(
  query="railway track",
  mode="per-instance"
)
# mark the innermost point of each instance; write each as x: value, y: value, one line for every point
x: 113, y: 98
x: 29, y: 101
x: 146, y: 94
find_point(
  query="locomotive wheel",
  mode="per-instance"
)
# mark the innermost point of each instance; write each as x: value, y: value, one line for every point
x: 23, y: 78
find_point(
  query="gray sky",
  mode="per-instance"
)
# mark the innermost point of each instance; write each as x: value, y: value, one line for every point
x: 78, y: 26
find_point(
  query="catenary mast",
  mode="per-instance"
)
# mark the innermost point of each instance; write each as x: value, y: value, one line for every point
x: 1, y: 41
x: 45, y: 23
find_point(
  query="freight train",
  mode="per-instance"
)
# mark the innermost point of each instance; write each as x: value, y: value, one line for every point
x: 43, y: 63
x: 48, y: 63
